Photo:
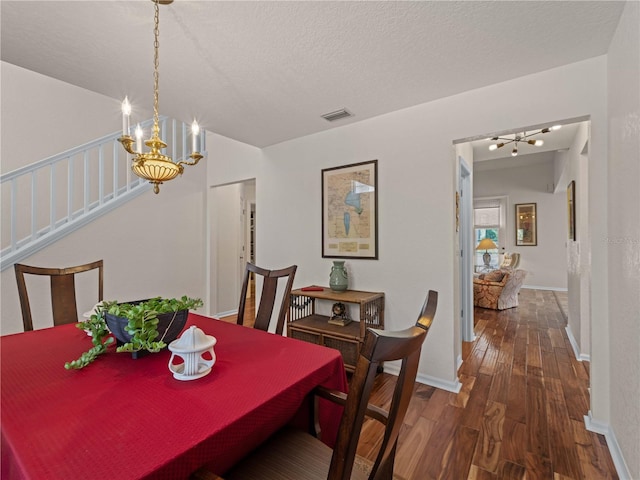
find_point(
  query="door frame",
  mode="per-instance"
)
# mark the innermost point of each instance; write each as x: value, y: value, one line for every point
x: 466, y: 250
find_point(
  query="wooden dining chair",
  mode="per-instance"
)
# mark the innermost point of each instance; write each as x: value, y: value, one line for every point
x: 293, y: 453
x: 63, y: 291
x: 268, y: 297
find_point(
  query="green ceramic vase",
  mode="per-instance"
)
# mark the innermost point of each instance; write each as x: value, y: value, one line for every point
x: 338, y: 279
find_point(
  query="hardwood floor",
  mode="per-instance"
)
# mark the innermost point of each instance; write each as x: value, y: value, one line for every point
x: 249, y: 309
x: 519, y: 413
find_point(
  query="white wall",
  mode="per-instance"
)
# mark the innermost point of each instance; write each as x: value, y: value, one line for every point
x: 575, y: 161
x: 225, y: 235
x: 234, y: 162
x: 49, y: 116
x: 153, y: 245
x: 417, y: 184
x: 622, y: 243
x: 545, y: 262
x: 289, y: 197
x: 231, y: 161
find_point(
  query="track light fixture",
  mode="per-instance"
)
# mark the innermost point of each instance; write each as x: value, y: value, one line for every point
x: 523, y: 137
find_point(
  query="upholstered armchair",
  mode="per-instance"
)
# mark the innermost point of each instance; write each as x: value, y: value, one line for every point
x: 498, y: 289
x: 510, y: 261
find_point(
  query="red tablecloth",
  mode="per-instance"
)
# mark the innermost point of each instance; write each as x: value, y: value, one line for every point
x: 121, y: 418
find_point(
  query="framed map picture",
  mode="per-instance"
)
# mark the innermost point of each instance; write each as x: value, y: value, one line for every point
x: 350, y: 211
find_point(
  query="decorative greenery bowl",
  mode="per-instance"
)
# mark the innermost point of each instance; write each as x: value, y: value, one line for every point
x: 140, y: 327
x: 169, y: 325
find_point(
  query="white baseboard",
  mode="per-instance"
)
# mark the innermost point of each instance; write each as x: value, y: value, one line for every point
x: 616, y: 454
x: 226, y: 314
x: 453, y: 387
x: 581, y: 357
x: 551, y: 289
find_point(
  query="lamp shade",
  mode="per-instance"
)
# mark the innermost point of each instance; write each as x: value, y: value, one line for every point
x: 486, y: 244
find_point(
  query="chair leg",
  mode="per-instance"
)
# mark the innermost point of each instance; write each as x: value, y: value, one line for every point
x: 385, y: 471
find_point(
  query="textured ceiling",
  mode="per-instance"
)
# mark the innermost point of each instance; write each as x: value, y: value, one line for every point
x: 264, y: 72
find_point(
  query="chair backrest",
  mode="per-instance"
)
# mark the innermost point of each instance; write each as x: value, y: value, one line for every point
x: 381, y: 346
x: 63, y: 291
x: 510, y: 261
x: 268, y: 297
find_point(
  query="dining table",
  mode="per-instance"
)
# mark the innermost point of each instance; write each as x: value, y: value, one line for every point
x: 123, y: 418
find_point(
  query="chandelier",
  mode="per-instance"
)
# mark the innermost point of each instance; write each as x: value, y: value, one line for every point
x: 524, y: 137
x: 153, y: 165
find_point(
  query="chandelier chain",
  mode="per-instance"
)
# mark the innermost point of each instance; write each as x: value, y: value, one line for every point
x: 156, y: 47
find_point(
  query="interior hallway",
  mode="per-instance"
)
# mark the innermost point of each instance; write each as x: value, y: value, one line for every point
x: 519, y: 413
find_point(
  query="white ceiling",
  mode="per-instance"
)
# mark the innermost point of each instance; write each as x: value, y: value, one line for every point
x: 264, y: 72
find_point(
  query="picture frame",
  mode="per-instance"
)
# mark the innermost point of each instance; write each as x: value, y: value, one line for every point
x: 526, y: 225
x: 571, y: 206
x: 350, y: 211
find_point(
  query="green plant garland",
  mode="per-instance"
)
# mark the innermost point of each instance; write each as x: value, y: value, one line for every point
x: 143, y: 322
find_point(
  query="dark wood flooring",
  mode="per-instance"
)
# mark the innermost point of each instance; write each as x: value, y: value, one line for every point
x: 518, y: 415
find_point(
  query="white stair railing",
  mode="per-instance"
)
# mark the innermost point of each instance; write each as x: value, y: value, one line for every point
x: 51, y: 198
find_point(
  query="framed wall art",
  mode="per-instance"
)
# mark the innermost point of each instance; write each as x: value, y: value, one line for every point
x: 571, y: 205
x: 526, y: 225
x: 350, y: 211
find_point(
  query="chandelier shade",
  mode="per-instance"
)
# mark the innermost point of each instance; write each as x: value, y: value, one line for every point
x: 523, y: 137
x: 157, y: 170
x: 153, y: 165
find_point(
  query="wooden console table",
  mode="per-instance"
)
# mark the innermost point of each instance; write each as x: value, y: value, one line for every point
x: 305, y: 324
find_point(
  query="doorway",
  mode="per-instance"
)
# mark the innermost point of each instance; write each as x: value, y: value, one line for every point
x: 539, y: 175
x: 232, y: 242
x: 251, y: 249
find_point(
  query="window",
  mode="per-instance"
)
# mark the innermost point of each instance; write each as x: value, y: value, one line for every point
x: 489, y: 222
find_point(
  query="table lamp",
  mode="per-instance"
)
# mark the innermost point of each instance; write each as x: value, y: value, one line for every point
x: 486, y: 244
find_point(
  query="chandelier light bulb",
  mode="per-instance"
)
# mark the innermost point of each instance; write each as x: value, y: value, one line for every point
x: 514, y: 152
x: 556, y: 127
x: 126, y: 111
x: 538, y: 143
x: 126, y: 106
x: 493, y: 147
x: 195, y: 130
x: 139, y: 138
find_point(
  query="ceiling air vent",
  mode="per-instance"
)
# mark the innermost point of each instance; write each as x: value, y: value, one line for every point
x: 337, y: 115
